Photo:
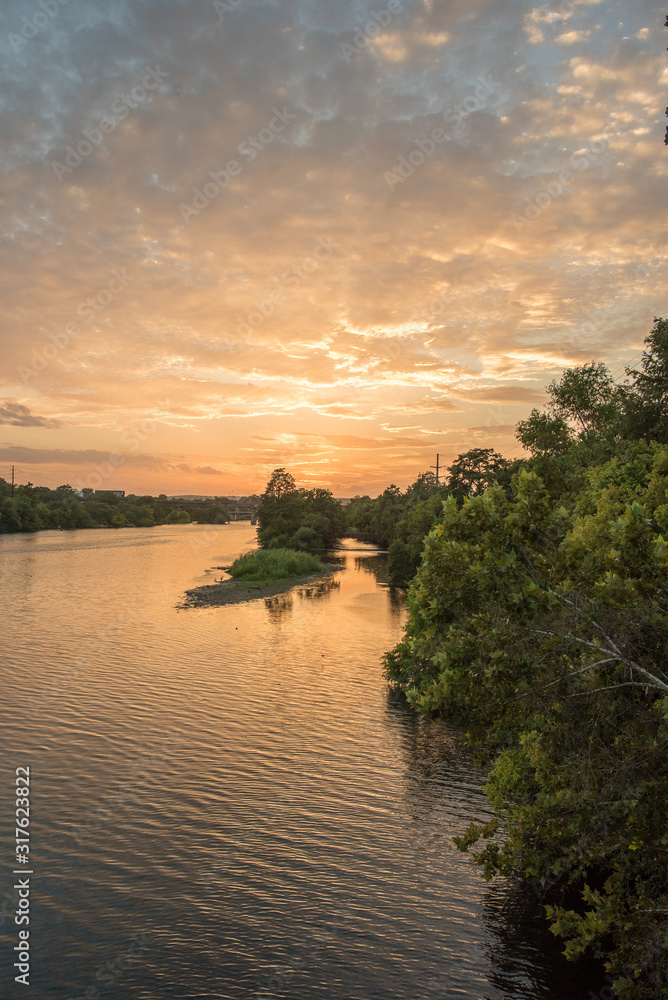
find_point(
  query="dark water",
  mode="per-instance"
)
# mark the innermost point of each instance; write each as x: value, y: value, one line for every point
x: 226, y: 803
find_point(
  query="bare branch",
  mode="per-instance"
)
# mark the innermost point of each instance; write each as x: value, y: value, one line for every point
x: 583, y: 642
x: 565, y: 677
x: 618, y: 655
x: 612, y: 687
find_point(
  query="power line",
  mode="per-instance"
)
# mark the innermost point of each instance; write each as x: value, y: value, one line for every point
x: 626, y: 364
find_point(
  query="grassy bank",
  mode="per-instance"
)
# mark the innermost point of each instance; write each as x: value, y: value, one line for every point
x: 272, y: 565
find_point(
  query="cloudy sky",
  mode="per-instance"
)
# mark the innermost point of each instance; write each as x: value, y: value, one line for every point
x: 329, y: 235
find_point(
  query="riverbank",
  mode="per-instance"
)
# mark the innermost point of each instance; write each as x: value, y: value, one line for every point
x: 239, y: 591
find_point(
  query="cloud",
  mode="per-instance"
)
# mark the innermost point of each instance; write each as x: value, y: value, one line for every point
x: 434, y: 301
x: 17, y: 415
x: 88, y: 456
x: 206, y: 470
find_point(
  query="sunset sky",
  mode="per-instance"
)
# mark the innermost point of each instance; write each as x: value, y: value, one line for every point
x: 419, y: 219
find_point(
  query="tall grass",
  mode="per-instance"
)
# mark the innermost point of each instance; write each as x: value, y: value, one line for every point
x: 268, y: 565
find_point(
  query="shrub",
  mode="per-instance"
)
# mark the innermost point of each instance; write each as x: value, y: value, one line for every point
x: 268, y: 565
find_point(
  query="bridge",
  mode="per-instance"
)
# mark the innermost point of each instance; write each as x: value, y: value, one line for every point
x: 237, y: 512
x: 246, y: 513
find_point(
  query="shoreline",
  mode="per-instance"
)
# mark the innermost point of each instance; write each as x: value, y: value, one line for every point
x: 213, y: 595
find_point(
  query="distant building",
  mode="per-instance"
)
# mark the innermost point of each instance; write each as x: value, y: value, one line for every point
x: 116, y: 493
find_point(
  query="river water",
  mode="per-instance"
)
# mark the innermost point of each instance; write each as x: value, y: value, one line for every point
x: 226, y: 802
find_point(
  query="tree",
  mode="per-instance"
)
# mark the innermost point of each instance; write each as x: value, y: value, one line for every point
x: 138, y: 514
x: 216, y: 514
x: 178, y: 517
x: 544, y: 435
x: 387, y: 514
x: 297, y: 518
x: 547, y: 641
x: 646, y: 402
x: 587, y: 395
x: 279, y: 500
x: 424, y: 486
x: 280, y: 509
x: 474, y: 471
x: 405, y: 550
x: 19, y: 514
x: 281, y: 484
x: 117, y: 519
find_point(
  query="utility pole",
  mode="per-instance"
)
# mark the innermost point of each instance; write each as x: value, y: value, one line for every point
x: 437, y: 467
x: 12, y: 480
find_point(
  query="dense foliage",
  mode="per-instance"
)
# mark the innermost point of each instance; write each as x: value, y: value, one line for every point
x: 34, y: 508
x: 538, y: 620
x: 268, y: 565
x: 399, y: 521
x: 294, y: 518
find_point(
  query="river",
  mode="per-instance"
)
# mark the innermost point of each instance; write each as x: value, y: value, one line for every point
x: 226, y: 802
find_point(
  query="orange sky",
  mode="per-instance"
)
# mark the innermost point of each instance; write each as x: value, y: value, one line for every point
x: 419, y: 220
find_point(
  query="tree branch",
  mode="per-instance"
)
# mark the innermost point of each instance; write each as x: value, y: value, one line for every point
x: 617, y: 655
x: 612, y: 687
x: 565, y: 677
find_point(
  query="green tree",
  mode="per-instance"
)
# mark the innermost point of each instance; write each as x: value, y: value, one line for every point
x: 548, y: 644
x: 178, y: 517
x: 297, y: 518
x: 216, y: 514
x: 109, y: 498
x: 474, y: 471
x: 544, y: 435
x: 19, y: 514
x: 588, y: 396
x: 646, y: 402
x: 280, y: 509
x: 138, y: 514
x: 405, y: 550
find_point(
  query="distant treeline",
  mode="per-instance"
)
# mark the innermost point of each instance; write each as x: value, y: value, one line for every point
x: 35, y: 508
